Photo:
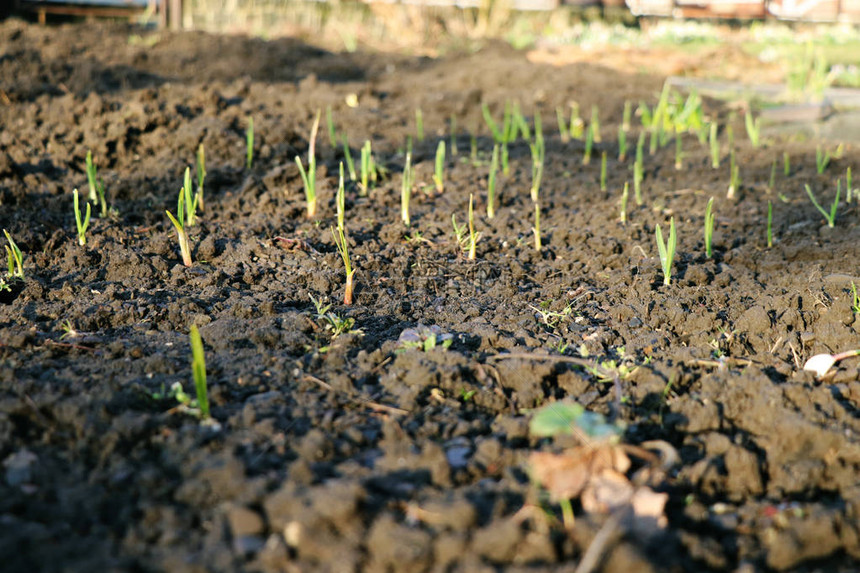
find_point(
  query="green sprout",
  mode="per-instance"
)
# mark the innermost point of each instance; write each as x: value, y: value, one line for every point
x: 830, y: 217
x: 340, y: 241
x: 538, y: 151
x: 769, y: 224
x: 491, y: 183
x: 577, y: 125
x: 309, y: 177
x: 201, y: 174
x: 520, y: 124
x: 198, y: 372
x: 350, y: 164
x: 645, y: 116
x: 453, y: 128
x: 655, y: 139
x: 849, y: 189
x: 734, y: 176
x: 439, y: 172
x: 624, y: 195
x: 714, y: 144
x: 81, y: 225
x: 92, y: 177
x: 710, y: 218
x: 473, y: 237
x: 406, y: 190
x: 679, y: 153
x: 96, y: 185
x: 622, y: 145
x: 730, y: 135
x: 595, y: 124
x: 786, y: 163
x: 368, y: 168
x: 589, y: 143
x: 491, y: 123
x: 753, y: 128
x: 332, y: 133
x: 424, y: 339
x: 562, y: 125
x: 333, y: 322
x: 181, y: 233
x: 419, y: 124
x: 340, y: 200
x: 190, y: 200
x: 638, y: 176
x: 249, y: 143
x: 822, y: 159
x: 504, y: 159
x: 628, y: 113
x: 536, y: 228
x: 14, y: 258
x: 603, y: 171
x: 666, y: 250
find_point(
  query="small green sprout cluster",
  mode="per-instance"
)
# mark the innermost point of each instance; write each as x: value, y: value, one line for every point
x: 467, y: 242
x: 186, y: 208
x: 753, y: 127
x: 424, y: 338
x: 575, y: 128
x: 334, y: 323
x: 181, y: 233
x: 822, y: 159
x: 14, y: 262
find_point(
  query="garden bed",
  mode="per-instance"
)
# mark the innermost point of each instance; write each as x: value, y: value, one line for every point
x: 366, y: 451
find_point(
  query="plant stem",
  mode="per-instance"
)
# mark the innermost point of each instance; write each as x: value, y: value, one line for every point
x: 491, y: 183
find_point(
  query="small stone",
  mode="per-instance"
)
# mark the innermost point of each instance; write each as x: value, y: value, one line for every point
x: 19, y: 467
x: 244, y: 521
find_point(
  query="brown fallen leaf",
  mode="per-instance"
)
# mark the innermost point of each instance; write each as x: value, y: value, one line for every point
x: 606, y: 491
x: 566, y: 475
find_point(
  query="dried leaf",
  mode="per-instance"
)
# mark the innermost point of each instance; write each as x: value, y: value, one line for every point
x: 562, y: 475
x: 606, y: 491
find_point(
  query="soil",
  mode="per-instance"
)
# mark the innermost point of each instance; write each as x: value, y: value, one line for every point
x: 354, y: 453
